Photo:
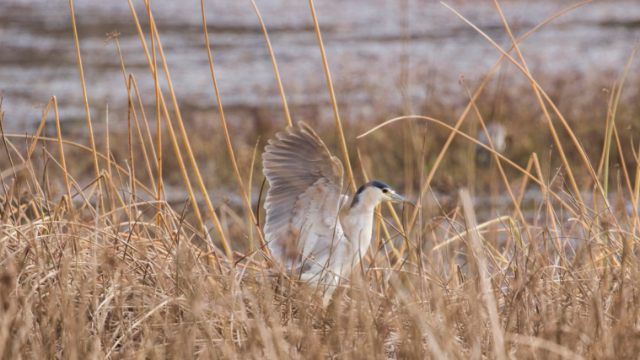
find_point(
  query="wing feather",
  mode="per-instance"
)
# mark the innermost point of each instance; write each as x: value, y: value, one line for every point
x: 302, y: 203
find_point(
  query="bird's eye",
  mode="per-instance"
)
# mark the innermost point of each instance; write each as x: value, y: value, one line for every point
x: 385, y: 190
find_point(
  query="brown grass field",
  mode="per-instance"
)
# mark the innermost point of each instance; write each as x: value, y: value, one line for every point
x: 103, y: 255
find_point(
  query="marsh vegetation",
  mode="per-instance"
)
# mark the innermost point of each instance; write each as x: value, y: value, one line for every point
x: 141, y: 236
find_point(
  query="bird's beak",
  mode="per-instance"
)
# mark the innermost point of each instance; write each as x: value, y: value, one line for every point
x: 398, y: 198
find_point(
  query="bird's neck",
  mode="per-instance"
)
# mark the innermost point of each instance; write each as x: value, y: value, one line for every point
x: 358, y: 226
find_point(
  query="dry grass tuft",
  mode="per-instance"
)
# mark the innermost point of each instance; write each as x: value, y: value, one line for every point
x: 110, y: 268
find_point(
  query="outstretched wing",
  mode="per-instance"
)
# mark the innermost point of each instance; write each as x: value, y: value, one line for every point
x: 302, y: 203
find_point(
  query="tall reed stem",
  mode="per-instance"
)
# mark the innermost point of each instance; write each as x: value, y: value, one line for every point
x: 334, y: 103
x: 86, y: 102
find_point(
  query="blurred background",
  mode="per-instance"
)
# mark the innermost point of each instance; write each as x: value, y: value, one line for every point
x: 387, y: 59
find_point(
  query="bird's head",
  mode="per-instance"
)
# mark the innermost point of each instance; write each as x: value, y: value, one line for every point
x: 375, y: 192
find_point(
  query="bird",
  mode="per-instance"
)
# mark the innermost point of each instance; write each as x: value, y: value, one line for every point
x: 498, y: 135
x: 303, y: 229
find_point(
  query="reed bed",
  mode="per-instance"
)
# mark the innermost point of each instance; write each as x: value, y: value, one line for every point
x: 110, y: 269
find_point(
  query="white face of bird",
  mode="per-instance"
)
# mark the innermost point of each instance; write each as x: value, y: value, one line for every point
x: 388, y: 194
x: 375, y: 192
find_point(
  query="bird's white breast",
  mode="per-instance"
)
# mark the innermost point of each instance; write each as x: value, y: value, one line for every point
x: 358, y: 224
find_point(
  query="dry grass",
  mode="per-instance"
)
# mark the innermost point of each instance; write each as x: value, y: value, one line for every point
x: 108, y: 268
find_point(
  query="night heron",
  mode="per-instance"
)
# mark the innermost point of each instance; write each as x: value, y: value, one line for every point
x: 303, y: 228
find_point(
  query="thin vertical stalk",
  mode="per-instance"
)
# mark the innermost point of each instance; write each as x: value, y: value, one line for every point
x: 158, y: 94
x: 253, y: 159
x: 110, y: 184
x: 611, y: 125
x: 275, y: 66
x: 523, y: 186
x: 86, y: 101
x: 604, y: 145
x: 132, y: 172
x: 146, y: 123
x: 636, y: 190
x: 108, y: 143
x: 35, y: 139
x: 142, y: 144
x: 129, y: 84
x: 63, y: 162
x: 334, y: 103
x: 634, y: 211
